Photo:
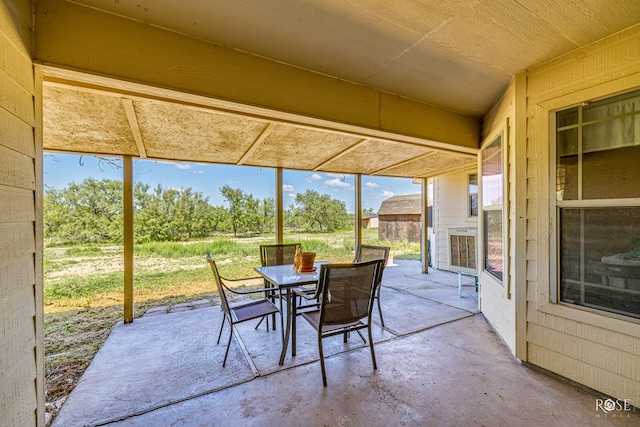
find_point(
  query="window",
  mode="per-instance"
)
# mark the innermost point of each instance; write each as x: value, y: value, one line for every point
x: 473, y: 195
x: 492, y: 193
x: 598, y: 204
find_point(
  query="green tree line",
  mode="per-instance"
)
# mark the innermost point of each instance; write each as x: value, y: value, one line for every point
x: 91, y: 211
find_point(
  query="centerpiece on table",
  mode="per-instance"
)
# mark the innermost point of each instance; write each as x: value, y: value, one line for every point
x: 303, y: 261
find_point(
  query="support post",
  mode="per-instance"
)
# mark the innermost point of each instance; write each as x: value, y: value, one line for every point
x: 127, y: 206
x: 358, y: 209
x: 424, y: 232
x: 279, y: 208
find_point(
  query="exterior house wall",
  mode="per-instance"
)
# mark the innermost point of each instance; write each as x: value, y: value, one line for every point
x: 497, y: 300
x: 597, y: 350
x: 21, y: 336
x: 450, y: 193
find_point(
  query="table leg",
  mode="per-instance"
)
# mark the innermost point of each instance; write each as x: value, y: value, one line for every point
x: 293, y: 325
x: 285, y: 342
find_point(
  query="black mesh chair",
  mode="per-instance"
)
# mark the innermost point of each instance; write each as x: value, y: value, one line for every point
x: 241, y: 312
x: 368, y: 253
x: 277, y: 254
x: 346, y: 293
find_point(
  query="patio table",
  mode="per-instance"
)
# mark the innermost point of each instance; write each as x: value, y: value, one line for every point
x: 284, y: 278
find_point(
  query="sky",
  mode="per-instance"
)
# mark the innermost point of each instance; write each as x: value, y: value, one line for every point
x: 62, y: 169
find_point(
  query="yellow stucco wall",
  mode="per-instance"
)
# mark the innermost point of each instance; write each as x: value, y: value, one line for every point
x: 21, y: 342
x: 599, y: 351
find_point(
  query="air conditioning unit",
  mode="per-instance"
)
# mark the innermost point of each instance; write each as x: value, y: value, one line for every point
x: 463, y: 250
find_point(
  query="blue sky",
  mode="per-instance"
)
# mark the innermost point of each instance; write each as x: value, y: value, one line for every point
x: 62, y: 169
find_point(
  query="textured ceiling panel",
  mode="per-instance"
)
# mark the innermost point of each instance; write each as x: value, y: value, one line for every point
x: 172, y: 130
x: 299, y: 148
x: 439, y: 162
x: 81, y: 121
x: 371, y: 156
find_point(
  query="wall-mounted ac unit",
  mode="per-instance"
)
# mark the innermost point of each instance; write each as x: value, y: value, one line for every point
x: 463, y: 250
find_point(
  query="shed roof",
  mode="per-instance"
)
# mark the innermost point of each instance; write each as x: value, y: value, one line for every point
x: 407, y: 204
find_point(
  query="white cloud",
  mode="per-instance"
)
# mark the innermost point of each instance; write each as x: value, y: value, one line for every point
x: 314, y: 177
x: 198, y: 172
x: 185, y: 166
x: 370, y: 184
x: 387, y: 193
x: 337, y: 182
x: 287, y: 188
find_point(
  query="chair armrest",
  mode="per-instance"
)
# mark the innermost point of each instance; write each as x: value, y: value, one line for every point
x: 242, y: 279
x: 225, y: 281
x: 308, y: 294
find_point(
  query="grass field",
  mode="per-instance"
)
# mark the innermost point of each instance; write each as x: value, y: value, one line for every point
x: 83, y: 288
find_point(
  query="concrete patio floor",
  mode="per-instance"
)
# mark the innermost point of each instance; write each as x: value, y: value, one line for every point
x: 439, y: 364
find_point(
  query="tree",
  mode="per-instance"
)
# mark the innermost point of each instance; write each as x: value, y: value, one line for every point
x: 247, y: 213
x: 319, y: 212
x: 170, y: 214
x: 368, y: 211
x: 235, y: 197
x: 87, y: 212
x: 268, y: 211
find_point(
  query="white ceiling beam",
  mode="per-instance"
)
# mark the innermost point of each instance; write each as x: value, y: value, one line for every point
x: 341, y: 153
x: 135, y: 127
x: 404, y: 162
x: 256, y: 144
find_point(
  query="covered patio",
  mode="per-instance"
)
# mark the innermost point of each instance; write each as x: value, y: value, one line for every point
x: 439, y: 363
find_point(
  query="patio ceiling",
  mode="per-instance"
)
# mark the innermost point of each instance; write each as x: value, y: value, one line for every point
x: 77, y: 119
x: 458, y: 56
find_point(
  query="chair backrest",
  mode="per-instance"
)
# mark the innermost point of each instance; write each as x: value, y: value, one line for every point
x: 218, y: 281
x: 370, y: 252
x: 278, y: 254
x: 347, y: 291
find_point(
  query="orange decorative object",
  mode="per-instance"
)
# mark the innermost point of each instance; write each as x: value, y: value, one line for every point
x: 308, y: 258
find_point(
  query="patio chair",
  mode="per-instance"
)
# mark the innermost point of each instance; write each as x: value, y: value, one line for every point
x: 241, y: 312
x: 346, y: 293
x: 277, y: 254
x: 368, y: 253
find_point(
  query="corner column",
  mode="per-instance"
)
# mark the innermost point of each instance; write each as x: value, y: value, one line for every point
x: 127, y: 204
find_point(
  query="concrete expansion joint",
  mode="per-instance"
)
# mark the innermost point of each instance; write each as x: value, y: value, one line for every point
x: 176, y: 308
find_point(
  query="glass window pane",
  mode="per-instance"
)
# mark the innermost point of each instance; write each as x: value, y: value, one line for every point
x: 567, y: 117
x: 611, y: 174
x: 610, y: 134
x: 492, y: 173
x: 567, y: 142
x: 615, y: 106
x: 600, y: 258
x: 493, y: 257
x: 473, y: 195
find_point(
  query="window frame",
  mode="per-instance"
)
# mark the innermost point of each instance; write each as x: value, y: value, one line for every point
x: 482, y: 207
x: 556, y: 205
x: 470, y: 196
